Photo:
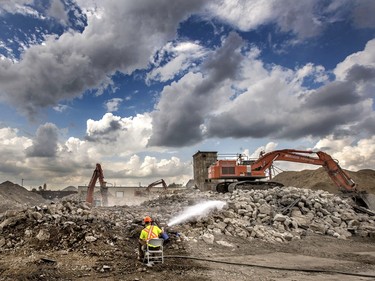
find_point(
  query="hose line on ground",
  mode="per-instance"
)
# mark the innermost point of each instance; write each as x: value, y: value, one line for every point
x: 273, y: 267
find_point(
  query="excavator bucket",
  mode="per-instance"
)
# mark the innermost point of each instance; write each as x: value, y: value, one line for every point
x: 365, y: 202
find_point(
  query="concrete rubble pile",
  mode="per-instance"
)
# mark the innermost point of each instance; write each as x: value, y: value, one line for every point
x: 68, y: 225
x: 273, y: 215
x: 284, y: 214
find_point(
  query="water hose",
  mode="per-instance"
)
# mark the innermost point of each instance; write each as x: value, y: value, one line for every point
x: 273, y: 267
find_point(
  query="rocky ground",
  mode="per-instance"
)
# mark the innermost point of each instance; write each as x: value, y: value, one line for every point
x: 277, y: 234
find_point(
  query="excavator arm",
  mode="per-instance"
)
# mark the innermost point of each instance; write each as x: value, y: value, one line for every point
x: 97, y: 175
x: 338, y: 175
x: 161, y: 181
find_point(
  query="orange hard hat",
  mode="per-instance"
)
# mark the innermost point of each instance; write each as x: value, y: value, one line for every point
x: 147, y: 219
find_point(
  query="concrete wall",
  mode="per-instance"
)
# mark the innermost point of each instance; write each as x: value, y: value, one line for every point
x: 121, y: 195
x: 201, y: 161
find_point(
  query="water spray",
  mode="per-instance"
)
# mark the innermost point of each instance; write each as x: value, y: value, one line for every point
x: 196, y: 211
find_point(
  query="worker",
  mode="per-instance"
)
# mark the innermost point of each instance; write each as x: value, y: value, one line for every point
x: 150, y: 231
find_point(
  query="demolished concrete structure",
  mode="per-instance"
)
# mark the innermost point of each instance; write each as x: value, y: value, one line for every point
x: 276, y: 215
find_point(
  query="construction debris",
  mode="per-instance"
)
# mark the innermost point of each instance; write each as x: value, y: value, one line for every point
x: 276, y: 215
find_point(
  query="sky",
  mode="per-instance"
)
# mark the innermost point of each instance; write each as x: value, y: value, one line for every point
x: 141, y: 86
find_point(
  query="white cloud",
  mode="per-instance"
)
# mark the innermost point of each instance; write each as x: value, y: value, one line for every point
x: 183, y: 54
x: 12, y: 144
x: 296, y: 16
x: 57, y: 10
x: 122, y: 39
x: 73, y: 162
x: 237, y: 96
x: 350, y: 154
x: 364, y: 58
x: 60, y: 107
x: 112, y: 105
x: 114, y: 134
x: 18, y: 6
x: 318, y: 73
x: 304, y: 18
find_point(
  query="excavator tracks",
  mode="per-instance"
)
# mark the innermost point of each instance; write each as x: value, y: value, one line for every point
x: 225, y: 187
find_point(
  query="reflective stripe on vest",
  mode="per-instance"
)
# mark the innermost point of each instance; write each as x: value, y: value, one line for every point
x: 150, y: 233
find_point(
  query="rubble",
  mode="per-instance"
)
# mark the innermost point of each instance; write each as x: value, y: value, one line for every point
x: 276, y: 215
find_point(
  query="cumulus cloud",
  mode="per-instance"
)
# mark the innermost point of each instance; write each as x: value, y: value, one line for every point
x: 64, y: 67
x: 72, y: 162
x: 237, y: 96
x: 365, y: 58
x: 57, y: 10
x: 182, y: 107
x: 136, y: 167
x: 12, y: 145
x: 122, y: 135
x: 45, y: 142
x: 17, y: 6
x: 303, y: 18
x: 351, y: 154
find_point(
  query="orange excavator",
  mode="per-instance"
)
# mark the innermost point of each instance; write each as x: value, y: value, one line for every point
x: 139, y: 192
x: 98, y: 174
x: 155, y: 183
x: 241, y: 173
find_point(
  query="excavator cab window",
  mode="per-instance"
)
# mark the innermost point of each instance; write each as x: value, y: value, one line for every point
x: 228, y: 170
x: 247, y: 162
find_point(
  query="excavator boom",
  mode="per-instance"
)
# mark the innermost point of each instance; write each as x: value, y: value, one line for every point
x: 97, y: 175
x: 234, y: 174
x: 338, y: 175
x: 161, y: 181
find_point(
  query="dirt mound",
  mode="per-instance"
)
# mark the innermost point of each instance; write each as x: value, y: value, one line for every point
x: 319, y: 179
x: 14, y: 196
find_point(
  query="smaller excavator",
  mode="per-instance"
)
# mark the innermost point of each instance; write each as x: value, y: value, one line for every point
x: 246, y: 174
x: 98, y: 174
x: 148, y: 188
x: 155, y: 183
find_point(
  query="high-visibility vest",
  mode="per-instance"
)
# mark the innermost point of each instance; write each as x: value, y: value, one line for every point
x: 151, y: 232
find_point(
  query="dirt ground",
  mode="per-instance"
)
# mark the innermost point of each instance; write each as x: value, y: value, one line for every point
x: 264, y: 261
x: 319, y: 179
x: 314, y: 257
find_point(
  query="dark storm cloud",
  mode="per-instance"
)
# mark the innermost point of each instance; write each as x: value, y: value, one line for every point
x: 334, y: 94
x: 360, y: 73
x: 225, y: 125
x: 186, y: 111
x: 45, y: 142
x: 225, y: 63
x: 122, y: 39
x: 183, y: 105
x: 367, y: 125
